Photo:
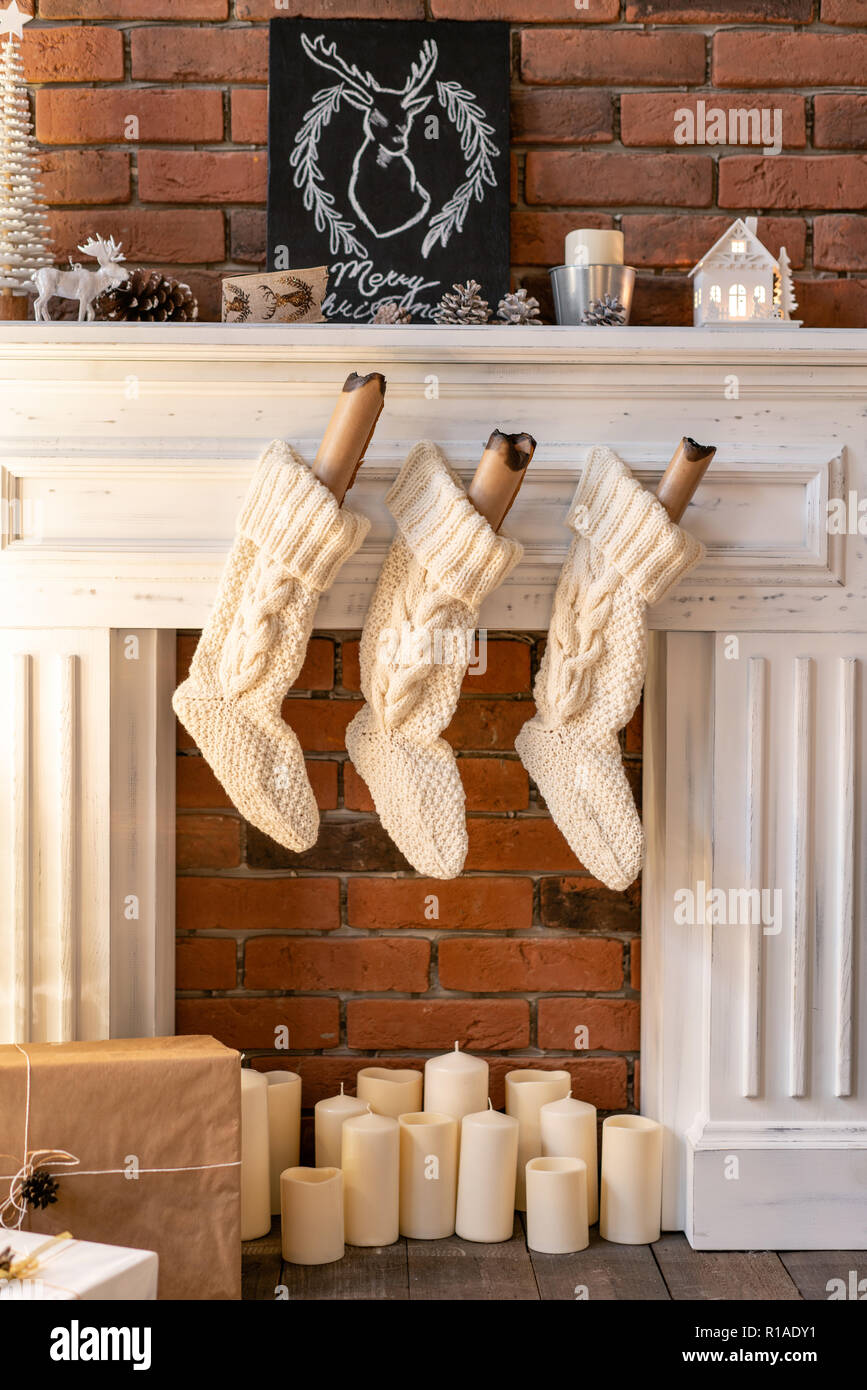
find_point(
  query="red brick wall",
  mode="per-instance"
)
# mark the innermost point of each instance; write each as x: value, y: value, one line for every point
x: 594, y: 92
x: 335, y: 944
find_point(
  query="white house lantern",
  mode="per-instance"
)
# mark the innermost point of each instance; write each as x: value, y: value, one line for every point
x: 739, y: 284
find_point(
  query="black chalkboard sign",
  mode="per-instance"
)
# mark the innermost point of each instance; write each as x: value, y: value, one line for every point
x: 389, y: 159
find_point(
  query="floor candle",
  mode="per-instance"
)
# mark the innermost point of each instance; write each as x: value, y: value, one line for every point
x: 569, y: 1131
x: 255, y: 1169
x: 630, y: 1199
x: 371, y: 1167
x: 428, y: 1175
x: 389, y: 1092
x: 311, y: 1204
x: 284, y: 1126
x: 526, y: 1093
x: 328, y: 1118
x: 486, y: 1177
x: 557, y: 1205
x: 456, y: 1084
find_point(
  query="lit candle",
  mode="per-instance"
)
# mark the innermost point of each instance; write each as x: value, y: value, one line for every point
x: 371, y: 1168
x: 255, y: 1169
x: 389, y: 1092
x: 328, y: 1118
x: 630, y: 1199
x: 311, y: 1203
x: 284, y: 1126
x: 526, y: 1093
x: 428, y: 1175
x: 569, y: 1131
x: 557, y: 1205
x: 487, y: 1174
x: 456, y: 1084
x: 588, y: 246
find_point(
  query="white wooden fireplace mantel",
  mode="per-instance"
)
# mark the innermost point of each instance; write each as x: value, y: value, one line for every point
x: 125, y: 455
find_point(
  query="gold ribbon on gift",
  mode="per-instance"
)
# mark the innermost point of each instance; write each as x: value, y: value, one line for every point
x: 28, y: 1266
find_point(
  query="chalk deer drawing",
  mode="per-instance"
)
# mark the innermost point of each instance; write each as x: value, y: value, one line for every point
x: 384, y: 188
x: 80, y: 282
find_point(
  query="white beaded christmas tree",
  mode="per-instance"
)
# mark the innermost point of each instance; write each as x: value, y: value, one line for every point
x: 25, y: 237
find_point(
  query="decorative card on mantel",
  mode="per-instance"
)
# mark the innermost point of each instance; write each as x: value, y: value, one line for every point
x: 389, y: 159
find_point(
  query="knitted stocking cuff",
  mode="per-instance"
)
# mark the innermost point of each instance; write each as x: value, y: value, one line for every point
x: 633, y: 530
x: 297, y: 521
x: 452, y: 542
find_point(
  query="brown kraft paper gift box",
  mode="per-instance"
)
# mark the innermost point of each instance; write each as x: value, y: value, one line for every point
x: 168, y: 1107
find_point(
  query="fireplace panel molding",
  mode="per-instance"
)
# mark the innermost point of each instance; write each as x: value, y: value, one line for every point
x: 124, y: 458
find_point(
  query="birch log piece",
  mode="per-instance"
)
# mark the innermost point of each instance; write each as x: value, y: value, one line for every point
x: 500, y: 473
x: 349, y: 431
x: 678, y: 483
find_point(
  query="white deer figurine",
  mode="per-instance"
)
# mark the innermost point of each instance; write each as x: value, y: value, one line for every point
x: 384, y: 187
x: 79, y: 282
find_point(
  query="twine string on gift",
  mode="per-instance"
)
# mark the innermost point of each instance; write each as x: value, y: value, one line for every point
x: 14, y: 1208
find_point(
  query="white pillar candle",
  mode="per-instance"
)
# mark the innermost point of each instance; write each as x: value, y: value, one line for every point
x: 389, y: 1092
x: 456, y: 1084
x: 557, y: 1205
x: 569, y: 1131
x: 630, y: 1199
x: 255, y: 1170
x: 486, y: 1178
x: 526, y: 1093
x: 311, y: 1205
x: 428, y: 1175
x: 284, y: 1126
x: 588, y: 246
x: 371, y: 1167
x: 328, y: 1118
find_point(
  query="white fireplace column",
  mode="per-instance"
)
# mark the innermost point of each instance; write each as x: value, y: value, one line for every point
x: 125, y: 454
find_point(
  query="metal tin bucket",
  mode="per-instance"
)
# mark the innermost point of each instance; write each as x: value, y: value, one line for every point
x: 576, y: 287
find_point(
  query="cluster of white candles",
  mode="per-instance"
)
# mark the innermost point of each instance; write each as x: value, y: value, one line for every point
x: 427, y: 1157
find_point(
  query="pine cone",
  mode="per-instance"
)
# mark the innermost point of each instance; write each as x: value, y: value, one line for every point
x: 40, y: 1189
x: 519, y: 309
x: 148, y: 296
x: 465, y: 305
x: 392, y: 313
x: 606, y: 312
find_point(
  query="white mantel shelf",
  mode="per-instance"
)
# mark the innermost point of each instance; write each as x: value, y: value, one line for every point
x: 154, y: 430
x: 125, y: 452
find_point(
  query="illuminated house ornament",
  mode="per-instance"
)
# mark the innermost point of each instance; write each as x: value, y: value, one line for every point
x: 739, y: 284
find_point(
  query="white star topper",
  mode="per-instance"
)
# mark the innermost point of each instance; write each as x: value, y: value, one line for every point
x: 12, y: 20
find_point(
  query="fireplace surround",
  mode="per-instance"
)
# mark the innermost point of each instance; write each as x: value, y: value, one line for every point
x: 125, y: 454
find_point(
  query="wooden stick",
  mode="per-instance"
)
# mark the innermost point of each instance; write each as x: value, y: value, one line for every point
x: 500, y: 473
x: 683, y: 475
x: 349, y: 431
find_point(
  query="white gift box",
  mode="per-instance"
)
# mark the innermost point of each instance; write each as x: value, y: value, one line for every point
x: 80, y: 1269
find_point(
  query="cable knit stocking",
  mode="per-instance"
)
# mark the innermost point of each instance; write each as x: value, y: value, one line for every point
x: 291, y: 540
x: 626, y: 554
x: 415, y: 649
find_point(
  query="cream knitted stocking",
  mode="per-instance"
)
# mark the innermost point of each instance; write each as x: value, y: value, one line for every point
x: 415, y: 649
x: 626, y: 554
x: 291, y: 540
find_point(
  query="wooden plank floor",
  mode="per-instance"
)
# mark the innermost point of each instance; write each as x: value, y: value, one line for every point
x: 460, y: 1270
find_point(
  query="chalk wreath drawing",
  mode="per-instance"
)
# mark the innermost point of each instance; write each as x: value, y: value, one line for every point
x: 382, y: 168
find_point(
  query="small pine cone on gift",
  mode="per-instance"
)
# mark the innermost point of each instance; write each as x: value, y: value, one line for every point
x: 392, y: 313
x: 148, y: 297
x: 519, y: 309
x: 463, y: 306
x: 606, y: 312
